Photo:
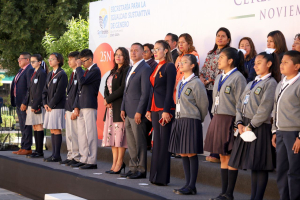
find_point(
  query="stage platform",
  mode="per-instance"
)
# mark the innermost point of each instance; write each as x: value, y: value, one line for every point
x: 34, y: 178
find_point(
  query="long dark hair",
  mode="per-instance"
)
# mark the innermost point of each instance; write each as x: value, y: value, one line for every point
x: 238, y: 59
x: 194, y: 61
x: 279, y: 41
x: 126, y: 63
x: 168, y: 56
x: 43, y: 64
x: 274, y: 69
x: 228, y: 34
x: 252, y: 53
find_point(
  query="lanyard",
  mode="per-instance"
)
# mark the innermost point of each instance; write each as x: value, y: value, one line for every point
x: 254, y: 84
x: 222, y: 82
x: 279, y: 95
x: 181, y: 89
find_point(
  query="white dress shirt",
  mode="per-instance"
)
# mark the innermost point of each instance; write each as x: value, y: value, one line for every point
x: 133, y: 69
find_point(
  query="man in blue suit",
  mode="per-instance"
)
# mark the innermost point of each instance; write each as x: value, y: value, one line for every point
x: 18, y: 93
x: 133, y: 110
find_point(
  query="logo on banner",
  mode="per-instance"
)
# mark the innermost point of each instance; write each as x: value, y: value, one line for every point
x: 103, y: 23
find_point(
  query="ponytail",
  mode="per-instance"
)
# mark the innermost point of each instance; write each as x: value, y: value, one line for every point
x: 238, y: 59
x: 194, y: 61
x: 43, y: 64
x: 274, y: 69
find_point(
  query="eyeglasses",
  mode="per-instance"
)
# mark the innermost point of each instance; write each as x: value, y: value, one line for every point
x: 21, y: 58
x: 32, y: 62
x: 85, y: 61
x: 118, y: 55
x: 182, y: 63
x: 156, y: 50
x: 146, y: 51
x: 51, y: 59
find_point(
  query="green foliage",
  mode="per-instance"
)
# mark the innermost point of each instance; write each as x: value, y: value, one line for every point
x: 76, y: 38
x: 1, y: 77
x: 8, y: 121
x: 23, y: 25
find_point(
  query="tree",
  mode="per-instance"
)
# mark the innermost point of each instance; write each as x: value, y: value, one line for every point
x: 23, y: 24
x: 76, y: 38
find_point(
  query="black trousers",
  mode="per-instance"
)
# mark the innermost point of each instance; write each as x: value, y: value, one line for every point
x: 210, y: 102
x: 26, y: 131
x: 288, y: 165
x: 161, y: 157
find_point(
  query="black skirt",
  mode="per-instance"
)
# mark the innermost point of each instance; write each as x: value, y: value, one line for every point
x: 186, y: 136
x: 256, y: 155
x: 219, y: 138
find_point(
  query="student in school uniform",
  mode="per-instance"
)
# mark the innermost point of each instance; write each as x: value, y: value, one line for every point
x: 86, y: 110
x: 73, y: 155
x: 35, y: 110
x: 161, y: 106
x: 253, y: 114
x: 186, y: 135
x: 286, y: 127
x: 54, y: 99
x: 228, y: 88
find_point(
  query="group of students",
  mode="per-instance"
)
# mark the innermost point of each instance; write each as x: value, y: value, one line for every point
x: 49, y: 100
x: 165, y: 85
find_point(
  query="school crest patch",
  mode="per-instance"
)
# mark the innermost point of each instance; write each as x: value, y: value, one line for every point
x: 227, y: 89
x: 188, y: 91
x: 257, y: 91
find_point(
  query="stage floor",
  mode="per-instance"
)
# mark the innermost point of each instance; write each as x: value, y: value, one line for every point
x: 142, y: 185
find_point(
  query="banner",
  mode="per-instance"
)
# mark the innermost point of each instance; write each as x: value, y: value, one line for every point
x: 119, y: 23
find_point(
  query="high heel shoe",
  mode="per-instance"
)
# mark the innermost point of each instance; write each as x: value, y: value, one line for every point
x: 118, y: 172
x: 109, y: 171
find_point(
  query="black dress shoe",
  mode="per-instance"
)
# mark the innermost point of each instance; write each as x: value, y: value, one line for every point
x: 118, y: 172
x: 36, y: 155
x: 52, y: 159
x: 220, y: 197
x: 137, y: 175
x: 228, y: 197
x: 187, y: 191
x: 46, y: 159
x: 72, y: 162
x: 129, y: 173
x: 89, y: 166
x: 175, y: 190
x: 77, y: 165
x: 65, y: 162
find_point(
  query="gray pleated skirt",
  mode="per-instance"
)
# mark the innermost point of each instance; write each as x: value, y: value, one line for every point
x: 34, y: 119
x: 55, y: 119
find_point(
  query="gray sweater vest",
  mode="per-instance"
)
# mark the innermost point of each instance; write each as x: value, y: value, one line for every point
x: 260, y: 103
x: 193, y: 100
x: 230, y: 93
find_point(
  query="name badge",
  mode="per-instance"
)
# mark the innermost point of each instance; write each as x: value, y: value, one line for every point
x: 246, y: 99
x: 177, y: 107
x: 217, y: 100
x: 54, y: 80
x: 35, y: 81
x: 177, y: 114
x: 75, y: 82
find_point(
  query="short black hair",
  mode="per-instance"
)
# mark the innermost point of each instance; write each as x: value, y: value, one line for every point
x: 74, y: 54
x: 138, y: 44
x: 25, y: 54
x: 295, y: 56
x: 59, y: 58
x: 174, y: 37
x: 86, y: 53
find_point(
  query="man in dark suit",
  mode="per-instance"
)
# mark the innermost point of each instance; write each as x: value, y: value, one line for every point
x: 172, y: 39
x: 86, y: 110
x: 18, y: 93
x: 134, y: 106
